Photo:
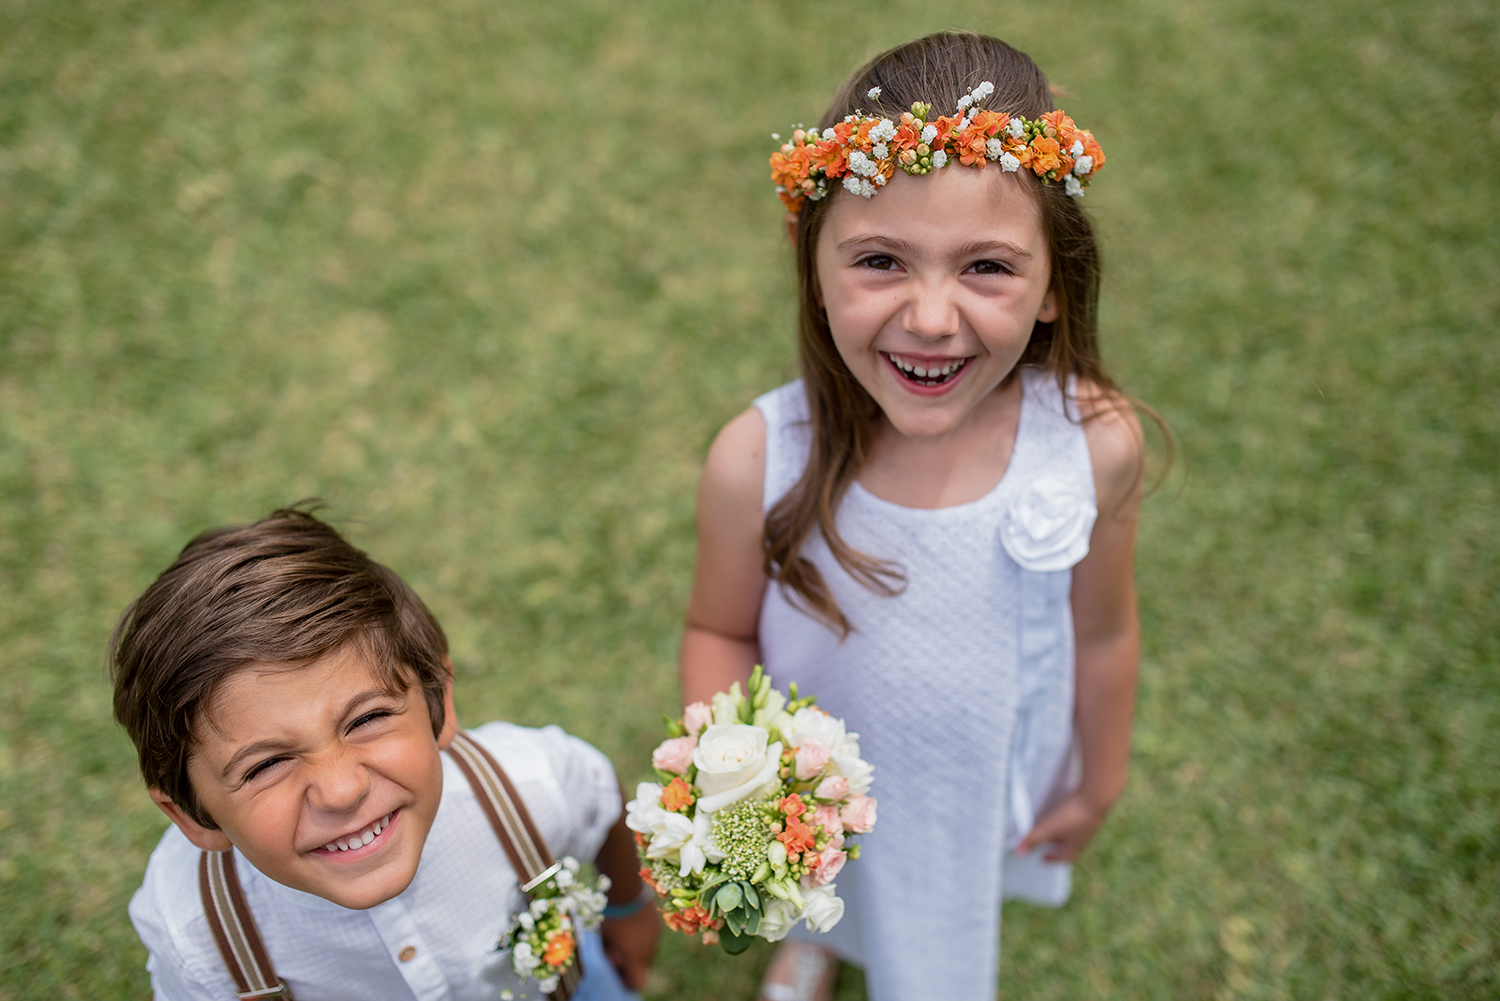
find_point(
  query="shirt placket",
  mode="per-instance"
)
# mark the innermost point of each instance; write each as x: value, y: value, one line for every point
x: 409, y: 952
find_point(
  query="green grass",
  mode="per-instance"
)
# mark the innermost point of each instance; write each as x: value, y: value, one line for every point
x: 488, y: 277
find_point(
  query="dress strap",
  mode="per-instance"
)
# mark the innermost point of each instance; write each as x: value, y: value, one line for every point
x: 235, y: 933
x: 514, y: 827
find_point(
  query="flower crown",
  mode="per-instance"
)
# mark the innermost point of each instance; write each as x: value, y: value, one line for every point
x: 865, y: 151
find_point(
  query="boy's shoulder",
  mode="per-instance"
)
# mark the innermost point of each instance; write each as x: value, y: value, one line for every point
x: 567, y: 784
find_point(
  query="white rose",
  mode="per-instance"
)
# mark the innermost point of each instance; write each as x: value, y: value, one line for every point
x: 1048, y: 526
x: 733, y: 762
x: 814, y: 724
x: 824, y: 908
x: 777, y: 917
x: 857, y: 770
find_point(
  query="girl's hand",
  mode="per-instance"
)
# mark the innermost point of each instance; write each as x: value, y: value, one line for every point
x: 1066, y: 829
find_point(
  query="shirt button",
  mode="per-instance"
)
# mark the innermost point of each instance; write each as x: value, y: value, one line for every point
x: 407, y: 953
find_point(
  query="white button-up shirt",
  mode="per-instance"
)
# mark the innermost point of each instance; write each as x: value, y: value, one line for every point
x: 436, y: 939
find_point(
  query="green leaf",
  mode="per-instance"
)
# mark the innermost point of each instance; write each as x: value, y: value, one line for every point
x: 729, y: 897
x: 751, y: 897
x: 733, y: 943
x: 734, y: 923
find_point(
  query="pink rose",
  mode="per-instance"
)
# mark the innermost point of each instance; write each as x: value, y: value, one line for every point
x: 674, y: 755
x: 830, y: 861
x: 811, y: 757
x: 834, y: 787
x: 858, y: 814
x: 827, y: 818
x: 696, y: 717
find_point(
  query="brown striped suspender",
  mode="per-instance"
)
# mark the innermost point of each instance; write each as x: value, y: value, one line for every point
x: 239, y: 941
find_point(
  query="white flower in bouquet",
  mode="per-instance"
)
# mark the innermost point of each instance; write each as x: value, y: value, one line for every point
x: 733, y: 762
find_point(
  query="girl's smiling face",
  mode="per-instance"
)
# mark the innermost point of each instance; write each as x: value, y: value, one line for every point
x: 324, y: 779
x: 932, y: 288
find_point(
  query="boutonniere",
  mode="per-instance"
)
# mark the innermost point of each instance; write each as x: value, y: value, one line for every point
x: 542, y: 940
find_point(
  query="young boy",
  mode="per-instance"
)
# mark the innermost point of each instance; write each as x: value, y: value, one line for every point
x: 291, y: 700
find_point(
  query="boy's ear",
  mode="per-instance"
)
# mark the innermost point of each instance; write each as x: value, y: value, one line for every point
x: 450, y: 718
x: 1048, y: 312
x: 206, y: 838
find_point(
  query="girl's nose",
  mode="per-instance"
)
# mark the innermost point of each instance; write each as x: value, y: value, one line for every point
x: 931, y: 314
x: 339, y: 783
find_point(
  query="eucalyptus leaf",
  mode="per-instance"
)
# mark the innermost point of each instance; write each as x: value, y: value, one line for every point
x: 729, y: 897
x: 733, y: 943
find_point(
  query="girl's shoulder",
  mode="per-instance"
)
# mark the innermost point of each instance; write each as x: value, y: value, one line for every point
x: 1117, y: 445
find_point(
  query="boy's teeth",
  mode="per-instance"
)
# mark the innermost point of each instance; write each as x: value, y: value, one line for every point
x: 361, y: 839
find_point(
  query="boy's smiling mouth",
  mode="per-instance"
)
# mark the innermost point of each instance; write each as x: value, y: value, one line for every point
x: 926, y: 372
x: 361, y: 839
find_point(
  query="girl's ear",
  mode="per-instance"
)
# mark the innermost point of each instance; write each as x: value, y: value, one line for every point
x: 1048, y: 312
x: 791, y: 228
x: 450, y: 718
x: 204, y: 837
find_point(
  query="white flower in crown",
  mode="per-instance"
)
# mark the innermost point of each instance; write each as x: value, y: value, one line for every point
x: 873, y: 93
x: 861, y: 164
x: 1017, y: 128
x: 1083, y: 165
x: 939, y: 158
x: 1072, y: 187
x: 1047, y: 527
x: 994, y: 149
x: 884, y: 131
x: 1076, y: 150
x: 983, y: 90
x: 965, y: 101
x: 1009, y: 163
x: 880, y: 151
x: 929, y: 133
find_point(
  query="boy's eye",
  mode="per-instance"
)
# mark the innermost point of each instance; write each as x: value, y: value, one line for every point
x: 262, y: 767
x: 370, y: 717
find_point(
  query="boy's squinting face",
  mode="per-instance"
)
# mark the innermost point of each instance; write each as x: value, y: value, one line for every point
x: 323, y: 779
x: 932, y: 288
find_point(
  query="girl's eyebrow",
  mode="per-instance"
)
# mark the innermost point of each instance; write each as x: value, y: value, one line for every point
x: 276, y: 744
x: 974, y: 248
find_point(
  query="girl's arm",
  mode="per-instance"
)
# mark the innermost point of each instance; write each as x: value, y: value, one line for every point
x: 1106, y: 630
x: 720, y: 644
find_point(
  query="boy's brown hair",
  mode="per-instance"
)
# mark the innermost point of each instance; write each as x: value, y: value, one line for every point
x: 285, y: 590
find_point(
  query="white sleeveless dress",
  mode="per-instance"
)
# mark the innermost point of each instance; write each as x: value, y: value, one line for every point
x: 960, y: 688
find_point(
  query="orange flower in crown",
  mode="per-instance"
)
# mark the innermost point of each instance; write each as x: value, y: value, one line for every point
x: 863, y: 151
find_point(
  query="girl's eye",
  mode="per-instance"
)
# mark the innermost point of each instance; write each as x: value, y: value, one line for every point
x: 989, y: 268
x: 879, y: 262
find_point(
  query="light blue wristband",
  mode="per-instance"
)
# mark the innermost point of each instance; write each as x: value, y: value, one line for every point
x: 634, y: 907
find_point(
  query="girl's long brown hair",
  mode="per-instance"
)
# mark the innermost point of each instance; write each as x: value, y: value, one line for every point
x: 936, y: 70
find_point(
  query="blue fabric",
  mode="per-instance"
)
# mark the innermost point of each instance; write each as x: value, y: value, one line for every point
x: 600, y: 981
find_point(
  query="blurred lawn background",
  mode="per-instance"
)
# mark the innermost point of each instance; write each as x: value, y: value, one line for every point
x: 487, y: 278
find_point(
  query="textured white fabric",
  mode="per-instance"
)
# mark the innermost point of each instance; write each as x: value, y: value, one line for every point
x: 961, y: 690
x: 453, y: 912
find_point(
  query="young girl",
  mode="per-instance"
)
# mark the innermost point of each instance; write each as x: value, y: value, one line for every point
x: 933, y: 529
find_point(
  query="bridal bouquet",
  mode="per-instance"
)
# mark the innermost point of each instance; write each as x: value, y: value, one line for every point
x: 748, y: 827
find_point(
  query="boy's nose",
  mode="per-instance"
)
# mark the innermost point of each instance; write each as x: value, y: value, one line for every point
x: 340, y: 783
